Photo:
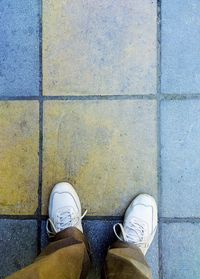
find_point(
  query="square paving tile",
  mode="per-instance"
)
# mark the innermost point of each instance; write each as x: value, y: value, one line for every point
x: 106, y: 149
x: 181, y: 253
x: 99, y: 47
x: 180, y: 158
x: 18, y: 245
x: 19, y: 139
x: 153, y: 258
x: 19, y: 47
x: 100, y: 236
x: 180, y: 46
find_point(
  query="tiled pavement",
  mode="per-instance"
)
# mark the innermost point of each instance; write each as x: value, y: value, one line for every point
x: 104, y: 94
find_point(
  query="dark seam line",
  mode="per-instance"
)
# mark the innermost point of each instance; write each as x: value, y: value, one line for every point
x: 100, y: 97
x: 81, y: 98
x: 162, y: 220
x: 40, y: 132
x: 160, y: 263
x: 171, y: 97
x: 19, y: 98
x: 44, y: 217
x: 19, y: 217
x: 166, y: 97
x: 180, y: 220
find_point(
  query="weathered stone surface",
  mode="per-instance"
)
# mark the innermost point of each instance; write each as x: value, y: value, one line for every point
x: 18, y: 245
x: 181, y: 252
x: 19, y: 47
x: 19, y: 140
x: 180, y: 48
x: 106, y: 149
x: 180, y: 158
x: 99, y: 47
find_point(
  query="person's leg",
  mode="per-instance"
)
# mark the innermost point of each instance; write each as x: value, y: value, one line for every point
x: 126, y: 257
x: 67, y: 256
x: 126, y: 261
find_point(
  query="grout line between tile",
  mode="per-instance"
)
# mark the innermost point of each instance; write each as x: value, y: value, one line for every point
x: 79, y: 98
x: 19, y: 98
x: 40, y: 171
x: 169, y: 220
x: 162, y: 220
x: 174, y: 97
x: 40, y: 132
x: 19, y: 217
x: 44, y: 217
x: 102, y: 97
x: 166, y: 97
x: 160, y: 263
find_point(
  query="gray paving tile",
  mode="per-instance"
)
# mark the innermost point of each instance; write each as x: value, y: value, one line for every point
x: 18, y: 245
x: 153, y: 257
x: 19, y: 47
x: 180, y: 158
x: 181, y: 253
x: 44, y: 236
x: 180, y: 46
x: 100, y: 235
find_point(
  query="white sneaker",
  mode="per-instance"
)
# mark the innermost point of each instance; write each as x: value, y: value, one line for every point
x: 140, y: 222
x: 64, y: 209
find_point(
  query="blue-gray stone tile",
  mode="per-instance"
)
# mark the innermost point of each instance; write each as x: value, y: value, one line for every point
x: 19, y: 47
x: 18, y: 244
x: 181, y: 253
x: 180, y: 158
x: 153, y: 257
x: 100, y: 236
x: 180, y: 46
x: 44, y: 236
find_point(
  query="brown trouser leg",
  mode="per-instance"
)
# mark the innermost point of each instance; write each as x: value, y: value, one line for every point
x: 126, y: 261
x: 65, y: 258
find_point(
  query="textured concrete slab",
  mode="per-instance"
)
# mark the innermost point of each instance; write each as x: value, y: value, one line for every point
x: 181, y: 251
x: 180, y: 158
x: 100, y: 236
x: 153, y: 258
x: 180, y: 46
x: 19, y: 139
x: 18, y: 245
x: 19, y: 47
x: 106, y: 149
x: 99, y: 47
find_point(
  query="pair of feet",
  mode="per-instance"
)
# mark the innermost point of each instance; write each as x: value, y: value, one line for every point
x: 140, y: 220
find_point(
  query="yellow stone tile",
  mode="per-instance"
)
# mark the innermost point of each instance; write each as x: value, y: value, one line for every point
x: 99, y: 47
x: 106, y: 149
x: 19, y: 138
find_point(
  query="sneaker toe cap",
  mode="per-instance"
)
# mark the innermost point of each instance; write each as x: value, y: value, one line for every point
x: 62, y: 187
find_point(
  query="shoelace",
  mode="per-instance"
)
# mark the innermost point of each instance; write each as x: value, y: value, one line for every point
x: 134, y: 232
x: 65, y: 217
